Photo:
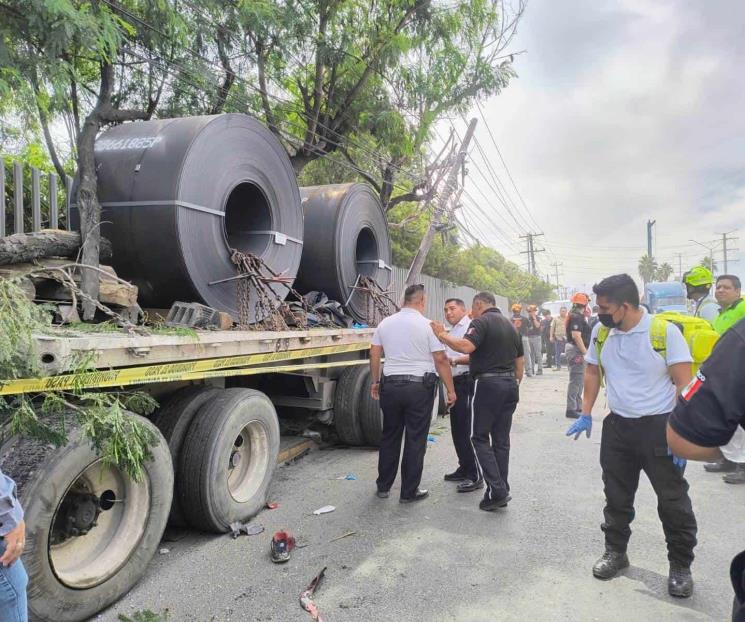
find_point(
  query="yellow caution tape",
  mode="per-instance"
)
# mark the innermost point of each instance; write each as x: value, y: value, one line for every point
x: 190, y: 370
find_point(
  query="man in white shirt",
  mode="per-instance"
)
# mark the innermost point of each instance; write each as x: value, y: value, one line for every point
x: 642, y: 386
x: 409, y: 384
x: 460, y: 412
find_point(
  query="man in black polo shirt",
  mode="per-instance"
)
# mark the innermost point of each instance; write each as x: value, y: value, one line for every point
x: 711, y: 411
x: 496, y: 364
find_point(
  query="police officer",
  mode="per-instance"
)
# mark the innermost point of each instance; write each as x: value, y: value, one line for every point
x: 698, y: 281
x: 711, y: 411
x: 728, y: 294
x: 407, y: 393
x: 460, y: 412
x: 640, y: 397
x: 496, y: 364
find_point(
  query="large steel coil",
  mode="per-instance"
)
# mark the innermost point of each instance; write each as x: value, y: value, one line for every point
x: 346, y: 236
x: 179, y: 194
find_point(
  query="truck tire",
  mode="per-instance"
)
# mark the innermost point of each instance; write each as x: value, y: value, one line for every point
x: 371, y: 417
x: 228, y: 459
x: 349, y: 389
x: 173, y: 420
x: 72, y: 577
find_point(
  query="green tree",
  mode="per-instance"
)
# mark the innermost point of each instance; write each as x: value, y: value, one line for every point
x: 664, y: 272
x: 647, y: 268
x: 710, y: 263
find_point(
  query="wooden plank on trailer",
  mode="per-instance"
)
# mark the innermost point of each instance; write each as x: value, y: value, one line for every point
x: 18, y: 194
x: 35, y: 199
x: 53, y: 210
x: 2, y: 198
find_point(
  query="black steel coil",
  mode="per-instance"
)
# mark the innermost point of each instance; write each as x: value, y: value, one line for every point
x: 179, y: 194
x: 346, y: 235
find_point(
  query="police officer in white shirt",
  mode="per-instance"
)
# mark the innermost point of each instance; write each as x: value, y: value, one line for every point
x: 407, y: 394
x: 642, y: 386
x: 460, y: 412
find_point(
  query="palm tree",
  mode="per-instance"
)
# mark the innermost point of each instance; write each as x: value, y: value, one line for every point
x: 664, y: 272
x: 710, y: 263
x: 647, y: 268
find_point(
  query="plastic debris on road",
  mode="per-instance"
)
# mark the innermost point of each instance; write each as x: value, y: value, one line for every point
x: 324, y: 510
x: 270, y: 505
x: 431, y: 438
x: 237, y: 528
x: 349, y: 476
x: 306, y: 597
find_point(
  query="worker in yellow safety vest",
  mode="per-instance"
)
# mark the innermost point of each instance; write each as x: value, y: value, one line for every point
x: 698, y: 281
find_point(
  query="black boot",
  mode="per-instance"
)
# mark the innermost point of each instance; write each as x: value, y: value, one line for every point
x: 609, y: 565
x: 680, y: 581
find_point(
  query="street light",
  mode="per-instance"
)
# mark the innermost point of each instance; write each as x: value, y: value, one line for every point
x: 711, y: 252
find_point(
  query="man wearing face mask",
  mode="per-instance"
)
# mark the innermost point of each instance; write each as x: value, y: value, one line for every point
x: 642, y: 378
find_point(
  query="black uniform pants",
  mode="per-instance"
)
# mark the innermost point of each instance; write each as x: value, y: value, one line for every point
x: 492, y: 406
x: 460, y: 427
x: 627, y: 447
x: 407, y: 410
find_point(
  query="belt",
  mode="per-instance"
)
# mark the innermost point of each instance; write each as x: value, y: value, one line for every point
x: 465, y: 374
x: 495, y: 374
x: 404, y: 378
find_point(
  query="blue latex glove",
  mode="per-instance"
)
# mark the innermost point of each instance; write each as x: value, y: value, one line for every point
x: 583, y: 424
x: 678, y: 462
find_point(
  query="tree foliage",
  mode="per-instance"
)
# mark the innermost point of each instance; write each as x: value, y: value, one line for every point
x: 664, y: 272
x: 647, y: 268
x: 710, y: 263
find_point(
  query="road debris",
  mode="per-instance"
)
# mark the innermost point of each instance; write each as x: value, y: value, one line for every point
x: 349, y: 477
x: 431, y: 439
x: 271, y: 505
x: 324, y: 510
x: 306, y: 598
x: 281, y: 547
x: 250, y: 530
x: 341, y: 537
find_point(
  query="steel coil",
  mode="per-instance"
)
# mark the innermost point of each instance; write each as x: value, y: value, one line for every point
x: 346, y: 235
x: 179, y: 194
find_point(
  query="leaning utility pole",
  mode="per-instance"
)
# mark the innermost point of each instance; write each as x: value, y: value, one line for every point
x: 650, y: 224
x: 443, y: 211
x: 531, y: 251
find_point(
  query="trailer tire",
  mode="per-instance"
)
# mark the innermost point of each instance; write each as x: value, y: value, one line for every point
x: 347, y: 400
x: 238, y: 429
x: 61, y: 589
x: 173, y: 420
x: 371, y: 416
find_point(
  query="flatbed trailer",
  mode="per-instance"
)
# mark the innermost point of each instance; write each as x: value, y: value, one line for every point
x: 91, y: 529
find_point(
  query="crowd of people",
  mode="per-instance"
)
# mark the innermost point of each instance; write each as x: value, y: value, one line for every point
x: 660, y: 413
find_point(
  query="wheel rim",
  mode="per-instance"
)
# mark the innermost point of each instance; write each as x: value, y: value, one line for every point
x: 247, y: 463
x: 109, y: 512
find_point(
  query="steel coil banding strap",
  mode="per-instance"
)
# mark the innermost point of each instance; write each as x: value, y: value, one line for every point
x: 346, y: 235
x: 178, y: 194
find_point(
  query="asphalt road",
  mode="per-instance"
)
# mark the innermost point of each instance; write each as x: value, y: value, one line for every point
x: 444, y: 559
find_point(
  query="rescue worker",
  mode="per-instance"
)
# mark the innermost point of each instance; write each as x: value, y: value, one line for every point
x: 407, y: 394
x: 460, y: 412
x: 640, y: 397
x: 559, y: 335
x: 728, y: 293
x: 13, y: 577
x: 711, y: 411
x: 496, y: 364
x: 546, y: 324
x: 535, y: 341
x: 578, y: 339
x: 520, y: 322
x: 698, y: 281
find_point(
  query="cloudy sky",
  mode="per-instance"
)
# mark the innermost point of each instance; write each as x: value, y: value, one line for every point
x: 622, y: 112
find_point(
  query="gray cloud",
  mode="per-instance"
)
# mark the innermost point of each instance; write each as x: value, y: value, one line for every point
x: 623, y: 113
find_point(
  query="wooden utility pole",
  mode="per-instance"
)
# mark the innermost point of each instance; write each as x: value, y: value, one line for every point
x: 532, y: 250
x: 650, y: 224
x: 444, y: 209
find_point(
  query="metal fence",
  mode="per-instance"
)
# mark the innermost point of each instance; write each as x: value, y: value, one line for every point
x: 31, y: 200
x: 438, y: 291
